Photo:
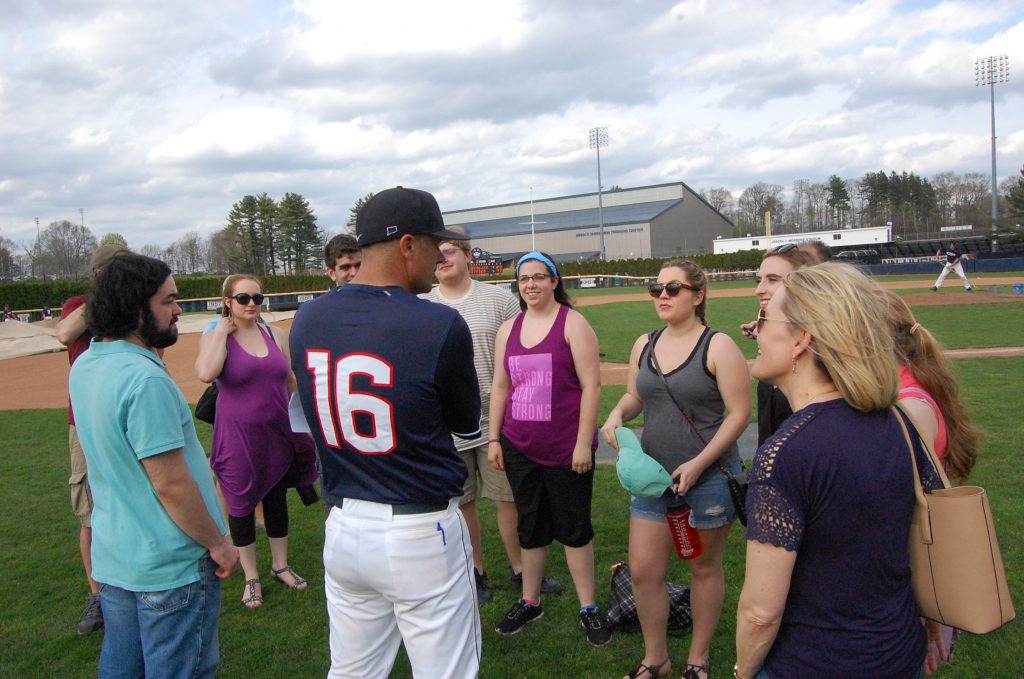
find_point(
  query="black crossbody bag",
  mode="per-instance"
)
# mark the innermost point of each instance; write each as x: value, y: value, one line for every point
x: 737, y: 482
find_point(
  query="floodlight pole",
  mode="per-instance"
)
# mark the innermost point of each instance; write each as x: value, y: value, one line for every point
x: 989, y: 71
x: 599, y: 138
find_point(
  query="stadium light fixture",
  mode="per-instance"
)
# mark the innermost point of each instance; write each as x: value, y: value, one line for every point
x: 599, y: 138
x: 990, y: 71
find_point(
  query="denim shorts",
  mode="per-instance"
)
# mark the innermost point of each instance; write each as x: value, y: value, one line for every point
x: 710, y: 502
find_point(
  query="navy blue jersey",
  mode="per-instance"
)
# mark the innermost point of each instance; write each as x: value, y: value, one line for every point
x: 385, y: 379
x: 952, y: 254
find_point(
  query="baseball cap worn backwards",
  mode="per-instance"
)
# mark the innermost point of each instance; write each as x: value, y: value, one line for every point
x: 639, y: 473
x: 392, y: 213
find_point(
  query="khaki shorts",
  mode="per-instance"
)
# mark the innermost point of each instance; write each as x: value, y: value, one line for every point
x: 494, y: 483
x: 81, y: 496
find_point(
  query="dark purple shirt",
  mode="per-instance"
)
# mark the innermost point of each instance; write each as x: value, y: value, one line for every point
x: 836, y: 486
x: 542, y: 415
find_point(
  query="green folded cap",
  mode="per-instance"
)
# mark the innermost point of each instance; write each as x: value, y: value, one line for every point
x: 639, y: 473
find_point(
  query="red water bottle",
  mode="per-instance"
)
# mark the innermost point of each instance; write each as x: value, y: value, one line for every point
x: 685, y: 536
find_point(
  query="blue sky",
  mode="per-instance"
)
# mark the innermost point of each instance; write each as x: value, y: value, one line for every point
x: 155, y: 117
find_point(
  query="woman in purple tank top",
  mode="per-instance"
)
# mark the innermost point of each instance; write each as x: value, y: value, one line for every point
x: 255, y: 455
x: 544, y: 401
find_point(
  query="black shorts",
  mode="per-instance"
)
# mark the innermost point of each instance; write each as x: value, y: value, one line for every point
x: 553, y: 502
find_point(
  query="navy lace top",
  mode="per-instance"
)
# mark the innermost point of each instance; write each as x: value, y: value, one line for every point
x: 835, y: 486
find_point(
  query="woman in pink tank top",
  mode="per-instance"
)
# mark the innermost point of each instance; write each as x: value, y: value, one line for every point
x: 930, y: 392
x: 544, y: 401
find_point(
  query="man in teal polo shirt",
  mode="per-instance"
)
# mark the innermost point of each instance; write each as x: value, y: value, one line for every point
x: 159, y: 548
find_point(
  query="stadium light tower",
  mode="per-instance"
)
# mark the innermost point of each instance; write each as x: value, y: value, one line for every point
x: 599, y: 138
x: 989, y: 71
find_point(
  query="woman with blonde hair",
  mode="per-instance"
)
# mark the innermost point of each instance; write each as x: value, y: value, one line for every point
x: 255, y: 455
x: 687, y: 365
x: 827, y: 591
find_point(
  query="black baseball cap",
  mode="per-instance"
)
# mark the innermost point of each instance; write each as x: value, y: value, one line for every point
x: 392, y: 213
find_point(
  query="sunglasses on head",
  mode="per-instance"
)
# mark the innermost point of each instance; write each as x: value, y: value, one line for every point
x: 673, y: 288
x: 783, y: 249
x: 244, y: 298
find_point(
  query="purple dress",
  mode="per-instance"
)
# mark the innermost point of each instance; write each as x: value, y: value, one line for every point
x: 254, y: 447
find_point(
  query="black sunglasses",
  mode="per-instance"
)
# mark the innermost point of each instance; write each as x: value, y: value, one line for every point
x: 244, y: 298
x: 672, y: 288
x: 783, y: 249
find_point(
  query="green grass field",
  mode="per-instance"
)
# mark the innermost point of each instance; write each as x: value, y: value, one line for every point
x: 287, y: 637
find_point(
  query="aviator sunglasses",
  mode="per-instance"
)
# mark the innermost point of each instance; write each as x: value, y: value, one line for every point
x: 672, y: 288
x: 244, y: 298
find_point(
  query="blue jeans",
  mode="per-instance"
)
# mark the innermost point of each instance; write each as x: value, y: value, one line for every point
x: 171, y: 634
x: 710, y: 502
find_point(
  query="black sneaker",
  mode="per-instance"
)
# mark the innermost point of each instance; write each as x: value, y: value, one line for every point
x: 483, y: 590
x: 970, y: 289
x: 518, y: 616
x: 597, y: 630
x: 547, y: 585
x: 935, y: 288
x: 92, y: 616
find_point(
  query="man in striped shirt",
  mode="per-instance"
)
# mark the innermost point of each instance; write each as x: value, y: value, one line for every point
x: 484, y: 307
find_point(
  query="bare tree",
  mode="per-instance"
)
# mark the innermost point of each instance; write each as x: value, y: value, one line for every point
x: 719, y: 198
x: 191, y: 256
x: 68, y: 246
x: 154, y: 251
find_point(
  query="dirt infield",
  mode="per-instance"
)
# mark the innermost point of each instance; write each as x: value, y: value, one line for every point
x: 41, y: 381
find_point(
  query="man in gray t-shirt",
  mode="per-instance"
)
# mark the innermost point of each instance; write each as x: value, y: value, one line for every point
x: 484, y: 308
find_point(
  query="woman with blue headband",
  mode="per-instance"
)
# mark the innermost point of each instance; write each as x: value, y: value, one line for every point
x: 544, y: 401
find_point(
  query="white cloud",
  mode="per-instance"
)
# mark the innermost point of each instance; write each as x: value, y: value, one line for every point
x: 157, y: 116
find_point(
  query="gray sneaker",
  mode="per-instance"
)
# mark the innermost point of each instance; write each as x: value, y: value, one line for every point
x: 92, y: 616
x: 483, y: 590
x: 547, y: 585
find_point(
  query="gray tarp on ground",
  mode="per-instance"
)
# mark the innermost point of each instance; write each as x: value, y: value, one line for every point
x: 27, y: 339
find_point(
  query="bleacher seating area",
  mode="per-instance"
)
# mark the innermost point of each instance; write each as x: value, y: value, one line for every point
x: 977, y: 247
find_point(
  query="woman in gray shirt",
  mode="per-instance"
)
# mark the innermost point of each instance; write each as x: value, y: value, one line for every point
x: 708, y: 377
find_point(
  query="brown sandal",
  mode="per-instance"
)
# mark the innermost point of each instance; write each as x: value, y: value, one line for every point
x: 694, y: 671
x: 651, y: 670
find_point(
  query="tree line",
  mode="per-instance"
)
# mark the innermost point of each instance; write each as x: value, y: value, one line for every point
x: 267, y: 237
x: 915, y: 206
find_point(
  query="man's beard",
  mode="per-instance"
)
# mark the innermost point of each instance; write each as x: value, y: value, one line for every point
x: 153, y: 336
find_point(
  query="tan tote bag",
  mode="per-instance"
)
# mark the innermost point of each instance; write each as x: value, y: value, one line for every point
x: 955, y: 564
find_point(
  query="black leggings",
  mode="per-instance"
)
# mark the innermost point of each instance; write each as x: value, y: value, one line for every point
x: 275, y: 517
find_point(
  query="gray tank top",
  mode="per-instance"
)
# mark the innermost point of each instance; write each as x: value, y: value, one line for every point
x: 667, y: 437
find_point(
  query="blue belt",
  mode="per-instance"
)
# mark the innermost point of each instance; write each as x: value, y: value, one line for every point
x: 399, y: 508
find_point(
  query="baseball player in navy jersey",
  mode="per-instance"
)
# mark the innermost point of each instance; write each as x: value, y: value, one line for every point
x: 385, y: 379
x: 950, y: 258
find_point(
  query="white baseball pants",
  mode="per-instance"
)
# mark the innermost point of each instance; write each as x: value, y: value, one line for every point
x: 390, y: 578
x: 959, y: 269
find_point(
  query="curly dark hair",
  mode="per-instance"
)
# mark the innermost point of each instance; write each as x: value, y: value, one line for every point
x: 120, y: 296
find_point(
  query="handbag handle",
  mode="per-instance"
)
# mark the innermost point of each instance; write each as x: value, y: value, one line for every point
x: 651, y: 340
x: 926, y: 528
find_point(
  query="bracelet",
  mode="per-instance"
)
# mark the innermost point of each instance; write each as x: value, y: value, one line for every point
x: 490, y: 441
x: 736, y: 672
